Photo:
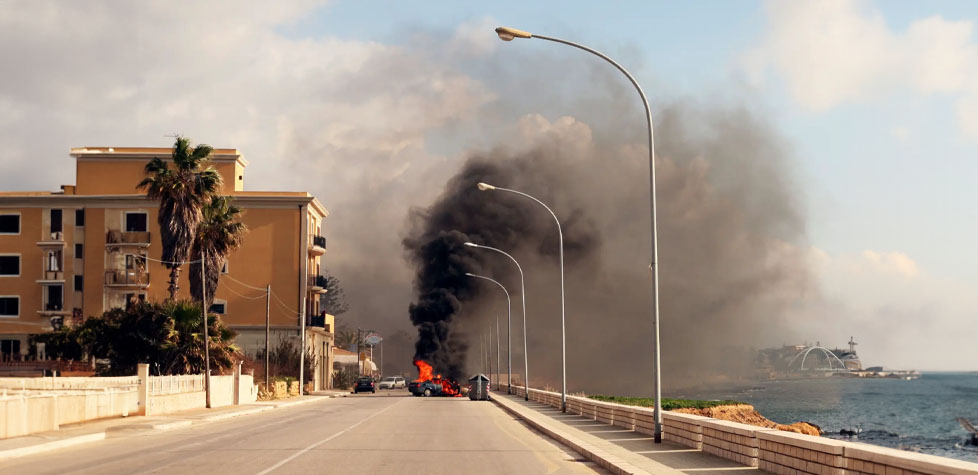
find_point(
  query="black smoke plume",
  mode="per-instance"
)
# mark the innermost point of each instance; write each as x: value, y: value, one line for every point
x: 731, y: 240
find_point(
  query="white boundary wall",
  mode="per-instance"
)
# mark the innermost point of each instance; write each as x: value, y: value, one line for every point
x: 29, y: 405
x: 780, y: 452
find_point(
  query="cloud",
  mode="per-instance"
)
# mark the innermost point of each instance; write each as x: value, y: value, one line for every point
x: 888, y: 303
x: 841, y: 51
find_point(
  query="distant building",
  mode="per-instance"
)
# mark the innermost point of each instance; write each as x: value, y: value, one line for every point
x: 77, y: 252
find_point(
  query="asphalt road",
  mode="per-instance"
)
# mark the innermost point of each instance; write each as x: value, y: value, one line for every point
x: 387, y: 432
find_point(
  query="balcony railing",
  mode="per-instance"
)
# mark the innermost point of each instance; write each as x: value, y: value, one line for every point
x: 317, y: 245
x: 316, y: 321
x: 317, y: 281
x: 126, y: 278
x: 54, y: 275
x: 53, y: 306
x: 127, y: 238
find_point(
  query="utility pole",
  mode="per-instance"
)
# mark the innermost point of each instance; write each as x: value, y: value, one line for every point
x: 381, y: 357
x: 268, y: 297
x: 359, y: 365
x: 302, y: 343
x: 207, y: 341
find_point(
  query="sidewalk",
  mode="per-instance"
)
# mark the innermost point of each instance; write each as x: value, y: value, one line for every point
x: 74, y: 434
x: 614, y: 448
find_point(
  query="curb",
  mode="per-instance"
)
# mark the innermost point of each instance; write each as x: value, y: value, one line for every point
x: 53, y: 445
x: 590, y: 452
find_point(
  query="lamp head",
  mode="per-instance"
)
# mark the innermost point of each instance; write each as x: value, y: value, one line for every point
x: 507, y: 34
x: 470, y: 274
x: 471, y: 244
x: 485, y: 186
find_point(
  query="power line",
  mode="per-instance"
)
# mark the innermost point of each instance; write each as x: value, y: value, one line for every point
x: 245, y: 296
x: 226, y: 276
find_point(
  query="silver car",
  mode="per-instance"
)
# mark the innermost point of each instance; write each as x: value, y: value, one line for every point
x: 392, y: 382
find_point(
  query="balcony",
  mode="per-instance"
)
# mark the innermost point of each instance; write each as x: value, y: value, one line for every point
x: 126, y: 278
x: 317, y: 283
x: 317, y: 245
x: 127, y: 238
x: 316, y: 321
x: 50, y: 277
x: 56, y: 239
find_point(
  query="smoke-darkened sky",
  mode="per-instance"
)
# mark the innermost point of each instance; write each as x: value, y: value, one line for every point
x: 842, y: 175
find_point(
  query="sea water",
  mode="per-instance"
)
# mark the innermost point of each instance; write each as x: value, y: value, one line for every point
x: 917, y: 415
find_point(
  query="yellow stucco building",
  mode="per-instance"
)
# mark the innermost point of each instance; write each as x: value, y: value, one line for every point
x: 77, y: 252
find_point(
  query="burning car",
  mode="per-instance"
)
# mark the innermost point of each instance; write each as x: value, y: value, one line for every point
x: 428, y: 385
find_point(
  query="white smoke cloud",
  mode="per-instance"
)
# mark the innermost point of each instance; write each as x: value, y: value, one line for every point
x: 840, y: 51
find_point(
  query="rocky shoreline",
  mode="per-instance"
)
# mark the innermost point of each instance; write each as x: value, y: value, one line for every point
x: 746, y: 414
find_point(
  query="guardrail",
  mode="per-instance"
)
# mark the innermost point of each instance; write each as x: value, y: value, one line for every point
x: 771, y: 450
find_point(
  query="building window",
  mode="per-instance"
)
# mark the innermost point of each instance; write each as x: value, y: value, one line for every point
x: 55, y: 298
x: 10, y: 265
x: 79, y: 217
x: 79, y: 251
x: 219, y: 307
x: 9, y: 224
x: 56, y: 221
x: 54, y: 261
x: 79, y: 283
x: 9, y: 306
x: 136, y: 222
x: 9, y: 349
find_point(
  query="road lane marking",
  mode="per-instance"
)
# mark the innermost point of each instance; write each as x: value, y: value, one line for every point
x: 321, y: 442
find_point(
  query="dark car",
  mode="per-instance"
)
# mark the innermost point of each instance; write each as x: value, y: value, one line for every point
x: 365, y: 384
x: 424, y: 388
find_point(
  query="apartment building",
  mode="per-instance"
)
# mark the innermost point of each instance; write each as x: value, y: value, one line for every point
x: 74, y: 253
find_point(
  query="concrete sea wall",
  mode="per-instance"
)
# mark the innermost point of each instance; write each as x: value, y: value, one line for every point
x: 775, y: 451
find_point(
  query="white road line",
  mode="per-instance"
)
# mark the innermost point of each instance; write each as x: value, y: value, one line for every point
x: 321, y: 442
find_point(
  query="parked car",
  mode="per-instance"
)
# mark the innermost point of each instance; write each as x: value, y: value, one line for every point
x: 364, y: 384
x: 392, y: 382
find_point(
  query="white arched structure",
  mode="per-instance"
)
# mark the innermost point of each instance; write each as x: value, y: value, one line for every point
x: 829, y: 356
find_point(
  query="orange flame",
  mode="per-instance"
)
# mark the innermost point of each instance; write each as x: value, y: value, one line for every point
x: 424, y: 371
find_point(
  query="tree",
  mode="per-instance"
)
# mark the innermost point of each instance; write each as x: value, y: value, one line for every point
x: 333, y: 301
x: 219, y: 234
x: 165, y: 335
x: 345, y: 337
x: 182, y: 192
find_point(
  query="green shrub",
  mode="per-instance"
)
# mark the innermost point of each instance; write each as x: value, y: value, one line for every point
x: 668, y: 404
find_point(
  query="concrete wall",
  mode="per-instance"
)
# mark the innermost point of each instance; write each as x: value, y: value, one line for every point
x: 780, y: 452
x: 29, y: 405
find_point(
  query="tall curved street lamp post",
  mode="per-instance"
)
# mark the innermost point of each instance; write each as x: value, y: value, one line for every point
x: 508, y: 34
x: 563, y: 333
x: 509, y: 332
x: 509, y: 311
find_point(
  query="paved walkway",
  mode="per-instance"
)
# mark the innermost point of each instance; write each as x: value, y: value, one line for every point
x: 617, y: 449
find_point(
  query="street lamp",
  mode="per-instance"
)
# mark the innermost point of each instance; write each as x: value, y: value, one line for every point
x: 526, y: 364
x: 509, y: 312
x: 508, y: 34
x: 563, y: 333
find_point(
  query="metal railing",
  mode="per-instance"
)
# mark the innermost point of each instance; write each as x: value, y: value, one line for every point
x: 316, y: 321
x: 319, y: 241
x: 127, y: 237
x: 190, y: 383
x: 126, y: 277
x: 317, y: 281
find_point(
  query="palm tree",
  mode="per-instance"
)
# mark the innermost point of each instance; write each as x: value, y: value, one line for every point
x: 182, y: 192
x: 218, y: 235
